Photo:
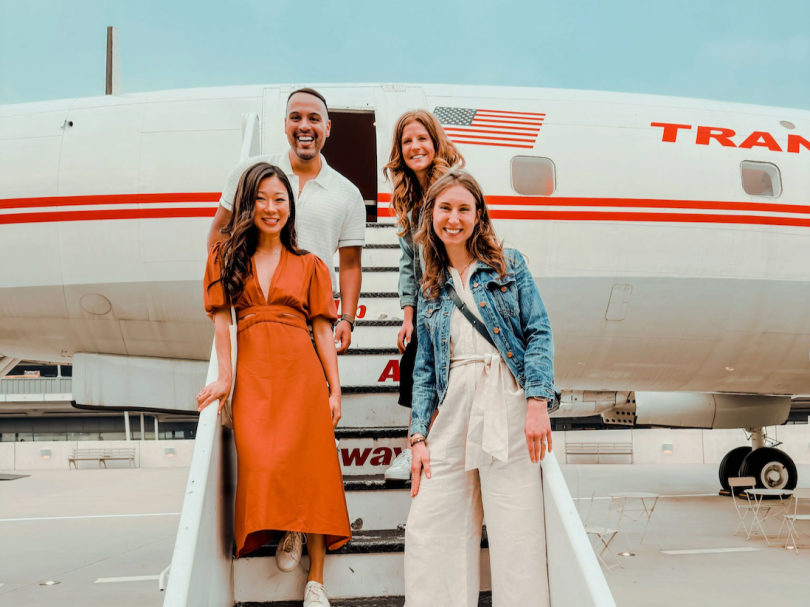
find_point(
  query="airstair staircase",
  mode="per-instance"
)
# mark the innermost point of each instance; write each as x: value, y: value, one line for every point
x: 368, y: 571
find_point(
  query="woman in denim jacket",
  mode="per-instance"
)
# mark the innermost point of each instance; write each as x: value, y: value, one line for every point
x: 492, y: 429
x: 421, y: 153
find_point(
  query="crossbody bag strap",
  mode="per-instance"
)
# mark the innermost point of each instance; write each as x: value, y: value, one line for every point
x: 554, y: 403
x: 477, y: 324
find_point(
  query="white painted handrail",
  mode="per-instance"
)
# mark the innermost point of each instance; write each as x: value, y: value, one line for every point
x: 250, y: 136
x: 575, y: 577
x: 201, y: 568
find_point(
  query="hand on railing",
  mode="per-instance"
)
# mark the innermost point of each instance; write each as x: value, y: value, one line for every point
x: 537, y: 429
x: 217, y: 390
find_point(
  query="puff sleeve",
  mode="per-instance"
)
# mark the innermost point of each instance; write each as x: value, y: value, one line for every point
x: 321, y: 302
x: 213, y: 294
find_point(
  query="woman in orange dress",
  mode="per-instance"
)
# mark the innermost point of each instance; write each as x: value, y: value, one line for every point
x: 286, y: 401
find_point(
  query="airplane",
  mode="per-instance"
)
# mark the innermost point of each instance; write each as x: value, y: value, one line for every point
x: 669, y: 238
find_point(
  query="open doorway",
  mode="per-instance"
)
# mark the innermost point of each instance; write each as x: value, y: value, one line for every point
x: 352, y: 151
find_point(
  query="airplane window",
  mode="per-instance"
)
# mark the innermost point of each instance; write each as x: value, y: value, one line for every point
x: 533, y: 176
x: 761, y: 179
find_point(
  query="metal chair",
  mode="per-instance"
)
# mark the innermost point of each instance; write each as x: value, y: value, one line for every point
x: 747, y: 506
x: 604, y: 536
x: 792, y: 519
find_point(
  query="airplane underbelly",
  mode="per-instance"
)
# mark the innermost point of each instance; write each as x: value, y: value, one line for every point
x: 632, y: 307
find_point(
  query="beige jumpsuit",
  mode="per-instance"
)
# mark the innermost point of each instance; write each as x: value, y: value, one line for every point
x: 480, y: 466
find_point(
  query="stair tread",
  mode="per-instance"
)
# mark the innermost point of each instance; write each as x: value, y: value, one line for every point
x: 364, y: 541
x: 370, y: 351
x: 369, y: 389
x: 372, y: 432
x: 372, y: 482
x: 484, y: 600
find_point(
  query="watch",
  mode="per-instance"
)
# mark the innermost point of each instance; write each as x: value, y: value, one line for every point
x: 349, y: 319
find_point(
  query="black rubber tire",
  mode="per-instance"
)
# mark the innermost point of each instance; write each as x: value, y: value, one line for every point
x: 731, y: 464
x: 755, y: 461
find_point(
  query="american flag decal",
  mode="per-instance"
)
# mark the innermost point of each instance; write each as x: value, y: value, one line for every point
x: 490, y: 127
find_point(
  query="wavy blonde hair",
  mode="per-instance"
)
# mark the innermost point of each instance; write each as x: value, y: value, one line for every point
x: 408, y: 192
x: 482, y: 245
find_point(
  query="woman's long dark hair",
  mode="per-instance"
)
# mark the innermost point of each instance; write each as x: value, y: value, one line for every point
x: 482, y: 245
x: 236, y: 252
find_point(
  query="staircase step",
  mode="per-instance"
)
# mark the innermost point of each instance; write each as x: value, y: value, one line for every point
x: 369, y: 455
x: 484, y: 600
x: 371, y: 565
x: 382, y: 333
x: 378, y: 308
x: 369, y: 367
x: 376, y: 256
x: 378, y: 279
x: 372, y: 409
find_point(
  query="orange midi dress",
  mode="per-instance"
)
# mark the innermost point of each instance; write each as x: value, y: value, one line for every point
x: 289, y: 476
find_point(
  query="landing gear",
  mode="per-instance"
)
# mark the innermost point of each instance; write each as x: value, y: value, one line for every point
x: 772, y: 468
x: 731, y: 464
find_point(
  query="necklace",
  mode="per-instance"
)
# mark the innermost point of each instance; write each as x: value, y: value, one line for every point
x: 273, y: 252
x: 461, y: 274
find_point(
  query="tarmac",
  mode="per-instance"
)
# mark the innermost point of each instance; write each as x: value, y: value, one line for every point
x: 105, y: 536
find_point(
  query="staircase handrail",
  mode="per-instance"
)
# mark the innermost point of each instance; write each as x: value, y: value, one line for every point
x: 584, y: 558
x: 198, y: 576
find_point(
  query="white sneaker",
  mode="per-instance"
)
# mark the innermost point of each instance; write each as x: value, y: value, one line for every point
x: 315, y: 595
x: 400, y: 470
x: 288, y: 553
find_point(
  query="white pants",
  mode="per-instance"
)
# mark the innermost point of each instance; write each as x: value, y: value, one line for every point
x: 443, y: 533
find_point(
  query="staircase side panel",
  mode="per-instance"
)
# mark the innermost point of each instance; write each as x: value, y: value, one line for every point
x: 575, y: 577
x: 202, y: 563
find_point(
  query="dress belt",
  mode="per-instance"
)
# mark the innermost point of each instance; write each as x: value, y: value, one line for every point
x: 489, y: 423
x: 273, y: 313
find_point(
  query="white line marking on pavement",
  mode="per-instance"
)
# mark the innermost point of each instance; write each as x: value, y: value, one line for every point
x: 710, y: 550
x: 131, y: 578
x: 607, y: 497
x: 66, y: 518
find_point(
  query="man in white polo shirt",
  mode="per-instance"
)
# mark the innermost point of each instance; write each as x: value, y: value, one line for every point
x: 331, y: 214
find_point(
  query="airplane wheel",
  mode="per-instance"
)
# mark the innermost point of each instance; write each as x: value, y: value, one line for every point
x: 772, y: 468
x: 730, y: 466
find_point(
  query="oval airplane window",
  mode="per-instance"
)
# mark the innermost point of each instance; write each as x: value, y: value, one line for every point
x: 532, y: 176
x: 761, y: 179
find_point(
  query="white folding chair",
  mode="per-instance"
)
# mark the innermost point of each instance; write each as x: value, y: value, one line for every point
x: 747, y: 506
x: 604, y: 536
x: 792, y: 519
x: 743, y: 507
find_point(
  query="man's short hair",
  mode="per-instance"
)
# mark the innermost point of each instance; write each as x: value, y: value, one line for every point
x: 309, y: 91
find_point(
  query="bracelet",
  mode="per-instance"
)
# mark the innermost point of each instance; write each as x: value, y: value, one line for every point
x: 417, y: 440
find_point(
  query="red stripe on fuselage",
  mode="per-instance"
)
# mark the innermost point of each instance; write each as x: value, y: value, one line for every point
x: 618, y: 208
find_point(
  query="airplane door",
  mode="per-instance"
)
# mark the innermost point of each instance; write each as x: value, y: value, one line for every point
x: 362, y: 120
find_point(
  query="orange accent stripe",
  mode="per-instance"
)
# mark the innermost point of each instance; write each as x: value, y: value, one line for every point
x: 633, y: 217
x: 649, y: 203
x: 649, y: 217
x: 105, y: 214
x: 67, y: 201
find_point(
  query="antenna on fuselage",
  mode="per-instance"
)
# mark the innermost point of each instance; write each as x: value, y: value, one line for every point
x: 113, y: 82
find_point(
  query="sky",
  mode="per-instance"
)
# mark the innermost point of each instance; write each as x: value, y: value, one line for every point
x: 742, y: 50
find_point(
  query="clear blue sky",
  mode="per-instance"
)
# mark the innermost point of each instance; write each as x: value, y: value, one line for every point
x: 741, y: 50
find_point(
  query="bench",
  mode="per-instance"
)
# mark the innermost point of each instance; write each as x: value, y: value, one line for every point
x: 101, y: 455
x: 599, y: 449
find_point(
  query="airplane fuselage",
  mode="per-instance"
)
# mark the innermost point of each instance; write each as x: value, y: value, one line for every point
x: 659, y: 270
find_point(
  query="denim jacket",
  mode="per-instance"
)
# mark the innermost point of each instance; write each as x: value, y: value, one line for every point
x: 516, y: 319
x: 411, y: 267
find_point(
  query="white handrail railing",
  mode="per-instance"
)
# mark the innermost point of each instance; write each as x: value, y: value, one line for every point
x: 201, y: 572
x: 575, y: 577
